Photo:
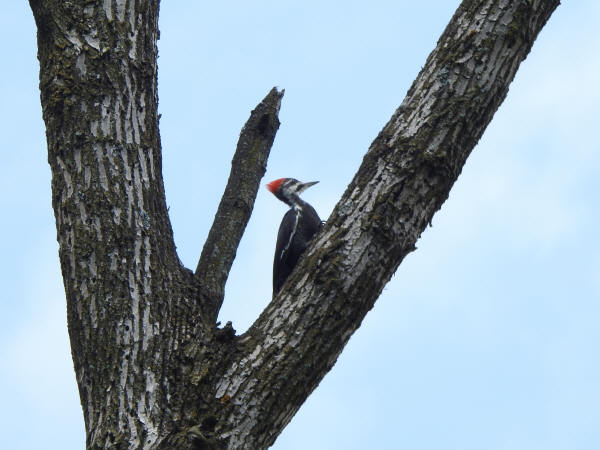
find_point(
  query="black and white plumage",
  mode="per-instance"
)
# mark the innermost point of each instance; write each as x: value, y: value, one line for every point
x: 297, y: 228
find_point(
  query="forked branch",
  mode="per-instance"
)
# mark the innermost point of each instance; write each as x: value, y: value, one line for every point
x: 404, y: 178
x: 247, y: 169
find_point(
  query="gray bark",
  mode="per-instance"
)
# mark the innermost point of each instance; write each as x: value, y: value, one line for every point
x: 153, y: 369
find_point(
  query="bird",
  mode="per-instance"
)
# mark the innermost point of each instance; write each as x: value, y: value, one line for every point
x: 299, y: 224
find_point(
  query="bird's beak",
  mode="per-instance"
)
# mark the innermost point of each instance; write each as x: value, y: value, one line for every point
x: 305, y: 186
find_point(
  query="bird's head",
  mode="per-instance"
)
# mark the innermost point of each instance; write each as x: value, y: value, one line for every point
x: 286, y: 189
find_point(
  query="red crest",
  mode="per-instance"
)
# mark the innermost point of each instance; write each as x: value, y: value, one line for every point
x: 274, y: 185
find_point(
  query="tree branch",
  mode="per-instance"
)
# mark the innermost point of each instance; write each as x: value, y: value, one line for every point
x: 147, y: 369
x: 404, y: 179
x: 247, y: 169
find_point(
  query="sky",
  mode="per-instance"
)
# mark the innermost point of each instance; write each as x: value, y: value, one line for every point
x: 487, y: 336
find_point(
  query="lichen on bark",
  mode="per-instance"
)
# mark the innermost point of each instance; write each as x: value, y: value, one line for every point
x: 153, y: 368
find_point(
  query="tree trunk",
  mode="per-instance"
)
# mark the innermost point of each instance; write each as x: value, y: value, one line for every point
x: 152, y: 367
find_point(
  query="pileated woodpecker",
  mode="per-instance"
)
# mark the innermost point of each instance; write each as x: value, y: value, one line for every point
x: 297, y: 227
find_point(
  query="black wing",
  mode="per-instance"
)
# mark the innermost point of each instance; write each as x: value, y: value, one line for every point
x: 297, y: 228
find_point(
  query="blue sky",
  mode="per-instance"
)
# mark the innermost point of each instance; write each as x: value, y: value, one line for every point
x: 487, y: 336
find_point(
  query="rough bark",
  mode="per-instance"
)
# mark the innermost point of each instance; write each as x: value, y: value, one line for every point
x: 153, y: 369
x: 247, y: 169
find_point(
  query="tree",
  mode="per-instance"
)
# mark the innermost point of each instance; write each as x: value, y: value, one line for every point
x: 153, y: 368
